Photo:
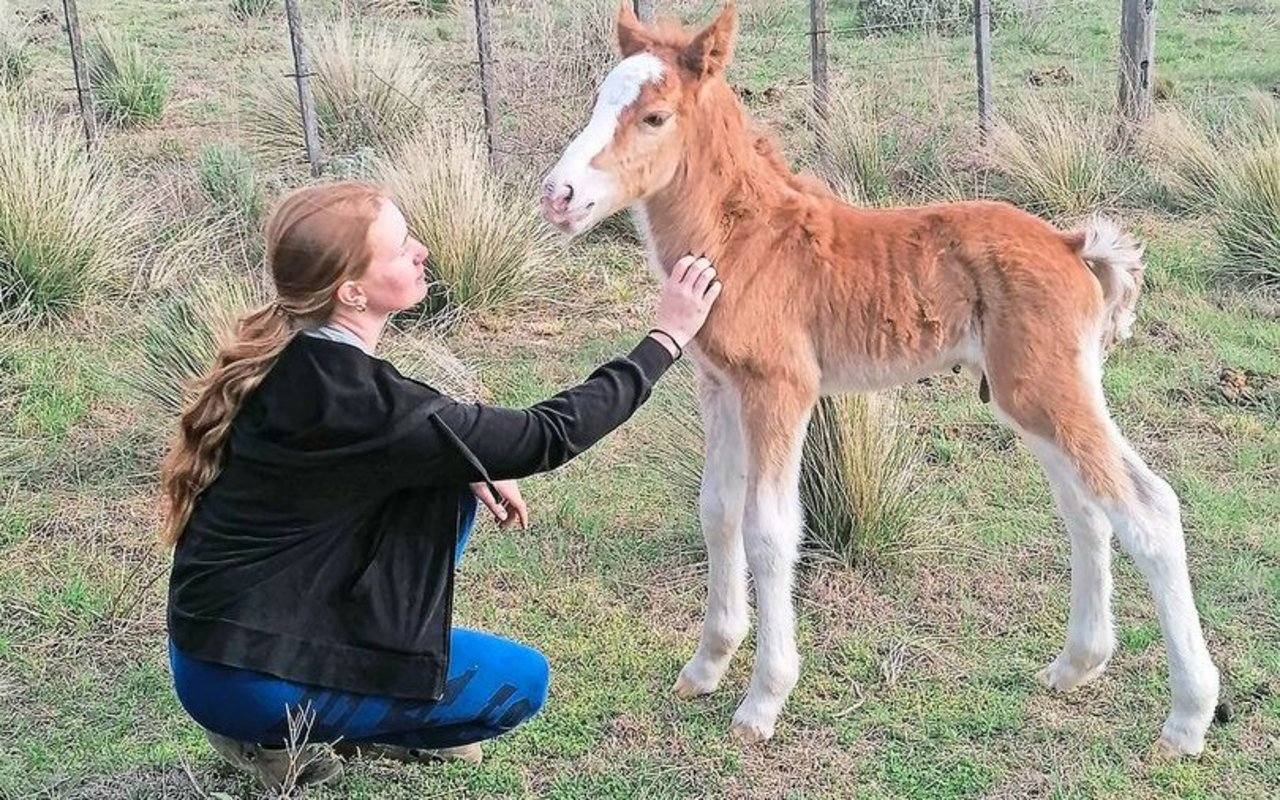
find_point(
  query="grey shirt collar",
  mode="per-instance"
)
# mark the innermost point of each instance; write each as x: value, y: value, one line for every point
x: 337, y: 333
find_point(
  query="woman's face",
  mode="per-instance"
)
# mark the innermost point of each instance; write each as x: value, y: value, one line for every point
x: 395, y: 279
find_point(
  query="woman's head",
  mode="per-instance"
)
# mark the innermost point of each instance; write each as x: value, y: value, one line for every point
x: 335, y: 251
x: 343, y: 248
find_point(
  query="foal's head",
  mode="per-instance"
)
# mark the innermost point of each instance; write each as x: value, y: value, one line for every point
x: 642, y: 121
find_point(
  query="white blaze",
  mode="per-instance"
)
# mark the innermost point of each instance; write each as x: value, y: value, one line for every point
x: 620, y: 89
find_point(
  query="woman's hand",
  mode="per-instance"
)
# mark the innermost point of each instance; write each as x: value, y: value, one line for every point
x: 508, y: 508
x: 686, y: 300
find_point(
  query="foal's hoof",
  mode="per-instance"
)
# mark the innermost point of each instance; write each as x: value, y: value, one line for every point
x: 687, y: 686
x: 747, y: 730
x: 1063, y: 676
x: 1166, y: 749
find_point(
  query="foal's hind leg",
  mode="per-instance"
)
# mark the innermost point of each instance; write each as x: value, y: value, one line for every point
x: 1149, y: 527
x: 721, y: 502
x: 1090, y: 637
x: 1062, y: 411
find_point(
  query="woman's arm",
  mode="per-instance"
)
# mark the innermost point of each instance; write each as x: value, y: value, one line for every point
x: 514, y: 443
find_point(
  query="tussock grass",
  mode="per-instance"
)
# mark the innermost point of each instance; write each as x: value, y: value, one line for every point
x: 67, y: 224
x: 226, y: 176
x: 855, y: 479
x: 129, y: 87
x: 857, y: 157
x: 181, y: 334
x: 488, y: 247
x: 1233, y: 174
x: 406, y: 7
x: 428, y: 359
x: 1056, y: 160
x: 372, y: 89
x: 247, y: 9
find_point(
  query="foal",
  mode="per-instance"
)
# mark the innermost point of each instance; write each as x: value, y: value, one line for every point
x: 822, y: 297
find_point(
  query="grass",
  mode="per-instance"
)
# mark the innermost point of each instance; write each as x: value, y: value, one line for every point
x: 488, y: 249
x: 856, y: 480
x: 129, y: 86
x: 916, y: 679
x: 373, y: 88
x: 67, y: 225
x: 226, y: 176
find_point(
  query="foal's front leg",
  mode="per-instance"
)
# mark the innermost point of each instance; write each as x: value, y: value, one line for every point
x: 774, y: 426
x: 720, y: 502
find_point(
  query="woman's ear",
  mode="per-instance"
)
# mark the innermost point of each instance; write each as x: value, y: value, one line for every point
x: 351, y: 295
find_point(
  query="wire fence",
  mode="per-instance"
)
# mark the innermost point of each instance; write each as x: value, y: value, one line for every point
x: 534, y: 65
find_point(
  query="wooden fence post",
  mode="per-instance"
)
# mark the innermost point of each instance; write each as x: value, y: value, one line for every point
x: 488, y: 98
x: 1137, y: 59
x: 818, y: 30
x: 302, y: 74
x: 643, y: 9
x: 81, y: 70
x: 982, y: 58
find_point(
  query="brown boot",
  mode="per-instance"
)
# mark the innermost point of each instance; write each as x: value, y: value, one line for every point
x: 467, y: 753
x: 306, y: 765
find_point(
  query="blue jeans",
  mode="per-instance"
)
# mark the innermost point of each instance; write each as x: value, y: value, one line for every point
x: 493, y: 685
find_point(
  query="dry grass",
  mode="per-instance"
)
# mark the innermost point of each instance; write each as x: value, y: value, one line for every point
x: 856, y: 156
x: 856, y: 479
x: 407, y: 7
x: 1056, y: 159
x: 488, y: 247
x: 181, y: 335
x: 1233, y: 173
x: 68, y: 224
x: 428, y: 359
x: 373, y: 88
x: 550, y: 69
x: 15, y: 62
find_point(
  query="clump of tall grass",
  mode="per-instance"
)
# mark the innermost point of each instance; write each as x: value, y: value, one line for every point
x: 128, y: 86
x: 428, y: 359
x: 246, y: 9
x: 1249, y: 217
x: 15, y: 61
x: 182, y: 332
x: 856, y: 479
x: 1056, y: 160
x: 856, y: 154
x: 67, y: 224
x: 488, y: 246
x: 372, y: 89
x: 1232, y: 173
x: 227, y: 178
x: 433, y: 8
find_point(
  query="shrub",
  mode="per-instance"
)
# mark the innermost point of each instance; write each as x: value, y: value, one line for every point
x: 245, y: 9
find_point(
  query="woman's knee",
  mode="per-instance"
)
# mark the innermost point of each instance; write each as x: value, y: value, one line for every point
x: 532, y: 675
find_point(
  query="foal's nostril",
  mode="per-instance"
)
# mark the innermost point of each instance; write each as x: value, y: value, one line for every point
x: 569, y: 191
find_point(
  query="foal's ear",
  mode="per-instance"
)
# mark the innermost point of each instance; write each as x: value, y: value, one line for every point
x: 632, y: 36
x: 710, y: 51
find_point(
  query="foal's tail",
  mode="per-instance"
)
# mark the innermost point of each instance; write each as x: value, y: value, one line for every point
x: 1115, y: 259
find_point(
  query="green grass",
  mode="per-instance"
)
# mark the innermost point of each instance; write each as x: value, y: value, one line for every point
x: 917, y: 681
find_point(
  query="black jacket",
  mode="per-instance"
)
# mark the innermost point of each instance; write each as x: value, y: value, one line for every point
x: 323, y: 552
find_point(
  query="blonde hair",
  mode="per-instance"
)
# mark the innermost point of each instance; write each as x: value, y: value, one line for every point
x: 317, y: 238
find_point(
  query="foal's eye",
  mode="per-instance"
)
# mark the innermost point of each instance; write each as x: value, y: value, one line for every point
x: 656, y: 119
